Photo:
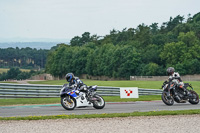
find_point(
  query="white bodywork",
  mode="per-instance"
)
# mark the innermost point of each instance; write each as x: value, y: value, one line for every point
x: 80, y: 102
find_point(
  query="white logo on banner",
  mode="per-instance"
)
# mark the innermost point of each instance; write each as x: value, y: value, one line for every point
x: 129, y: 92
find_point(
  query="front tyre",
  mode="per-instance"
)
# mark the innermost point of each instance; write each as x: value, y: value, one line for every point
x: 194, y: 98
x: 99, y: 103
x: 68, y: 104
x: 167, y: 100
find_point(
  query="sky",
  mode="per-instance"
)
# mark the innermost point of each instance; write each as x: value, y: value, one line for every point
x: 43, y: 20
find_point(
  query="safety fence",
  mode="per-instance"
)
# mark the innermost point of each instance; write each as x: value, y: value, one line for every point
x: 46, y: 91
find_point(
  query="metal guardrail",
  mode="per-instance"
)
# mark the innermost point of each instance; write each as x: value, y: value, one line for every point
x: 142, y: 91
x: 45, y: 91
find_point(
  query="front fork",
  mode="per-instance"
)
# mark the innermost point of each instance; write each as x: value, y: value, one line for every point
x: 67, y: 98
x: 169, y: 92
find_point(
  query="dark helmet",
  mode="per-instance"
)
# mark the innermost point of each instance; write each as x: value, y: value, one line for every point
x: 69, y: 77
x: 170, y: 71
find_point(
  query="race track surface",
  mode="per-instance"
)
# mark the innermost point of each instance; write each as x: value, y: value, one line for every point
x: 110, y: 107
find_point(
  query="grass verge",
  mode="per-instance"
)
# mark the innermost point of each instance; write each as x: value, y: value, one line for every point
x: 105, y: 115
x: 22, y: 101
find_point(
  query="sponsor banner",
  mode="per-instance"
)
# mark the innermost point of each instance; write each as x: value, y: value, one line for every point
x: 129, y: 92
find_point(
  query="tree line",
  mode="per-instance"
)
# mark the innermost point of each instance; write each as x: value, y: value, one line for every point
x: 17, y: 74
x: 23, y: 58
x: 144, y: 50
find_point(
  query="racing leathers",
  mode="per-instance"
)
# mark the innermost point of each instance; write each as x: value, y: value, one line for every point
x: 176, y: 75
x: 78, y: 84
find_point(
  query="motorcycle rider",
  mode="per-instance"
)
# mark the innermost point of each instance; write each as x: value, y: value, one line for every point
x: 175, y: 75
x: 76, y: 82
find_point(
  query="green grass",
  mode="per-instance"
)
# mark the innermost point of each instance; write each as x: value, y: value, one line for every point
x: 23, y: 101
x: 141, y: 98
x: 105, y: 115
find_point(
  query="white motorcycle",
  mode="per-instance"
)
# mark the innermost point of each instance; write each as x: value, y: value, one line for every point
x: 71, y: 97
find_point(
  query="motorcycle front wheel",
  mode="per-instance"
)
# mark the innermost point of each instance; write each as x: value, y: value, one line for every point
x: 167, y: 100
x: 195, y: 98
x: 99, y: 103
x: 68, y: 104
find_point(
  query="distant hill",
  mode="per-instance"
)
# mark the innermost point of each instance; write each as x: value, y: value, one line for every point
x: 37, y: 45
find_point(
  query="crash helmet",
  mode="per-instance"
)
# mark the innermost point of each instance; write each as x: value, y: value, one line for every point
x: 170, y: 71
x: 69, y: 77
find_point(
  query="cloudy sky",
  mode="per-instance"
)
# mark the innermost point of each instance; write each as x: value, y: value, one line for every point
x: 64, y: 19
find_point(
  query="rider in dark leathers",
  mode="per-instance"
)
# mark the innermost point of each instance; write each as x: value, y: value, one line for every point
x: 76, y: 82
x: 175, y: 75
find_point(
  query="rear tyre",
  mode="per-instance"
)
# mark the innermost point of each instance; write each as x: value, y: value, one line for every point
x: 194, y: 98
x: 167, y: 100
x: 99, y: 103
x: 69, y: 104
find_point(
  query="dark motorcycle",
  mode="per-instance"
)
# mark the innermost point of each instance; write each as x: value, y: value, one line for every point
x: 176, y: 93
x: 71, y: 97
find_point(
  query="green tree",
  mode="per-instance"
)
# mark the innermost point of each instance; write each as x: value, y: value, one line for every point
x: 76, y: 41
x: 152, y: 69
x: 174, y: 52
x: 13, y: 73
x: 142, y: 34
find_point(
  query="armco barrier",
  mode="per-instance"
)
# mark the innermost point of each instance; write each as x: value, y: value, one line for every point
x: 45, y: 91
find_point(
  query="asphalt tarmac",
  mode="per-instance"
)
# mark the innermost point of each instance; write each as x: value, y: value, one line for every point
x: 110, y: 107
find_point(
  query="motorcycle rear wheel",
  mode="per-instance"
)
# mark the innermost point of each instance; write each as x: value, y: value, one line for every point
x: 99, y: 103
x: 167, y: 100
x: 66, y: 104
x: 194, y: 100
